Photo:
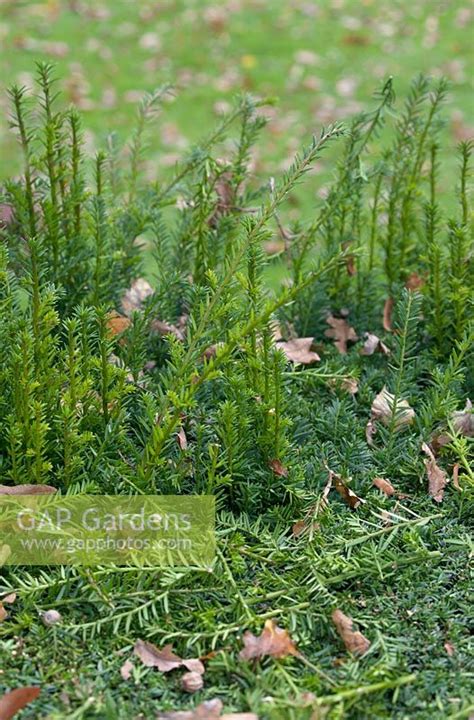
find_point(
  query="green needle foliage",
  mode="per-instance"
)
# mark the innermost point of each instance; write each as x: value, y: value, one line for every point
x: 113, y: 385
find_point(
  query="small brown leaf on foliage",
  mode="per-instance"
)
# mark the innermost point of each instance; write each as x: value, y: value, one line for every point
x: 3, y: 613
x: 341, y: 332
x: 9, y: 599
x: 26, y: 489
x: 463, y: 420
x: 414, y: 282
x: 382, y: 407
x: 384, y: 485
x: 278, y: 468
x: 370, y: 431
x: 151, y: 656
x: 117, y: 324
x: 273, y: 641
x: 182, y: 439
x: 225, y: 197
x: 126, y: 670
x: 15, y: 700
x: 348, y: 495
x: 449, y: 648
x: 6, y: 215
x: 191, y: 682
x: 135, y: 296
x: 208, y: 710
x: 354, y: 641
x: 373, y: 344
x: 436, y: 476
x: 387, y: 314
x: 164, y: 328
x: 455, y: 478
x: 299, y: 350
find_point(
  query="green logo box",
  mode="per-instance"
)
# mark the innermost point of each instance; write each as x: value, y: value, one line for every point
x: 142, y: 530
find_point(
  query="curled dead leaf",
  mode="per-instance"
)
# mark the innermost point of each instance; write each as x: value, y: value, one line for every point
x: 354, y: 641
x: 165, y: 660
x: 414, y: 282
x: 384, y: 486
x: 299, y: 350
x: 370, y: 431
x: 274, y: 641
x: 182, y: 439
x: 383, y: 408
x: 208, y: 710
x: 387, y: 314
x: 373, y: 344
x: 136, y: 295
x: 26, y: 489
x: 463, y: 420
x: 3, y: 613
x: 348, y: 495
x: 164, y: 328
x: 437, y: 478
x: 341, y: 332
x: 192, y: 681
x: 455, y: 479
x: 12, y: 702
x: 9, y: 599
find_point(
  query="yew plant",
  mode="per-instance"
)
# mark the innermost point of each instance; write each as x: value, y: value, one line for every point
x: 143, y: 349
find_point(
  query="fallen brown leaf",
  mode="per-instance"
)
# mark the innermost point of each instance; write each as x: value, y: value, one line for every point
x: 6, y: 215
x: 274, y: 641
x: 208, y: 710
x: 9, y: 599
x: 436, y: 476
x: 348, y: 495
x: 164, y: 328
x: 384, y: 485
x: 463, y: 420
x: 354, y: 641
x: 15, y: 700
x: 278, y: 468
x: 126, y: 670
x: 135, y: 296
x: 373, y: 344
x: 299, y: 350
x: 26, y: 489
x: 455, y: 479
x: 192, y: 681
x: 3, y: 613
x: 165, y: 660
x: 341, y: 332
x: 182, y: 439
x: 370, y: 431
x: 449, y: 649
x: 117, y: 324
x: 387, y: 314
x: 382, y: 408
x: 414, y: 282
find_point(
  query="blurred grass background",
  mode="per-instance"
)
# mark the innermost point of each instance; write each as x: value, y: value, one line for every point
x: 322, y: 59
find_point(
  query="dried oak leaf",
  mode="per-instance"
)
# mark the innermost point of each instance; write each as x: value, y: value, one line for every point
x: 135, y: 296
x: 299, y: 350
x: 382, y: 408
x: 373, y: 344
x: 341, y: 332
x: 387, y: 314
x: 26, y: 490
x: 274, y: 641
x: 15, y: 700
x: 165, y: 660
x: 437, y: 478
x: 354, y: 641
x: 384, y: 485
